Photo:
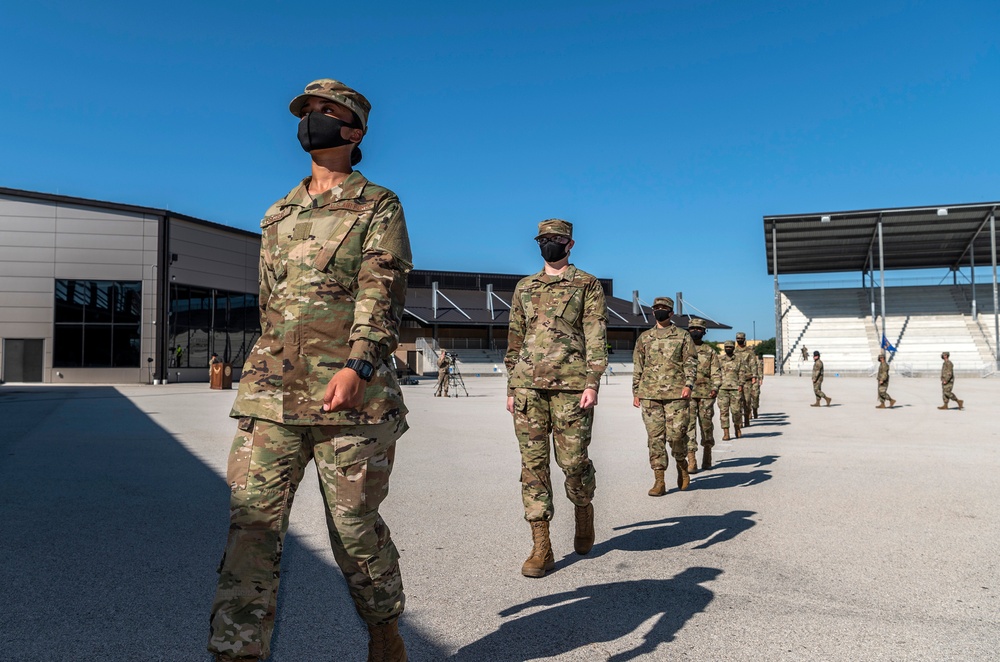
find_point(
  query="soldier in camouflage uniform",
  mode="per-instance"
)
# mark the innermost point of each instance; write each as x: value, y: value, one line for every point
x: 883, y: 383
x: 948, y: 382
x: 733, y: 371
x: 748, y: 357
x: 556, y: 354
x: 665, y: 366
x: 442, y: 383
x: 701, y: 407
x: 317, y: 386
x: 817, y: 380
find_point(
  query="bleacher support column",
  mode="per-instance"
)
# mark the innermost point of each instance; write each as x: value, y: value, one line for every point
x: 881, y: 271
x: 779, y: 345
x: 996, y: 313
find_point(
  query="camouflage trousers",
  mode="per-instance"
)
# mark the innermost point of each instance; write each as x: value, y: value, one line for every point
x: 538, y: 416
x: 883, y: 393
x: 946, y: 392
x: 666, y: 423
x: 745, y: 397
x: 729, y: 404
x: 442, y: 384
x: 755, y: 396
x: 700, y: 411
x: 818, y: 390
x: 266, y: 464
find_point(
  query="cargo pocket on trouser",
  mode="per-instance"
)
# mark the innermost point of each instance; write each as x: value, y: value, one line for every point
x: 238, y: 465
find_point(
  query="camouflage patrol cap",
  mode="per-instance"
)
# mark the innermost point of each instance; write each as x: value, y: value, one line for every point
x: 945, y: 353
x: 741, y: 336
x: 696, y: 323
x: 555, y: 226
x: 334, y: 90
x: 729, y: 344
x: 666, y: 302
x: 816, y: 353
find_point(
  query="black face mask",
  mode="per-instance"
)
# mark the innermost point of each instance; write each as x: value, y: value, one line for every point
x: 553, y: 251
x: 319, y: 131
x: 697, y: 335
x: 729, y: 351
x: 662, y: 315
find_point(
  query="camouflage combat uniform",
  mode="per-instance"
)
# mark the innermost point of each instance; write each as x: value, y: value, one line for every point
x: 442, y: 383
x: 557, y: 347
x: 665, y: 363
x: 732, y: 371
x: 758, y: 367
x: 333, y: 273
x: 883, y: 383
x: 701, y: 409
x: 746, y: 355
x: 817, y: 380
x: 948, y: 383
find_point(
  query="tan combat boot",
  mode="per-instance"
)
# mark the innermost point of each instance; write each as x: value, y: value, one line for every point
x: 892, y: 403
x: 583, y: 541
x: 755, y: 413
x: 692, y: 463
x: 746, y: 418
x: 961, y: 404
x: 944, y: 406
x: 541, y: 559
x: 725, y: 434
x: 683, y: 478
x: 659, y: 487
x: 880, y: 405
x: 385, y: 644
x: 739, y: 432
x: 815, y: 404
x: 828, y: 402
x: 706, y: 458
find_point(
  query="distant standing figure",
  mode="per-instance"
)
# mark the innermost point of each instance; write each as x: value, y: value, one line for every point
x: 805, y: 353
x: 442, y: 386
x: 731, y: 369
x: 817, y: 377
x: 948, y: 382
x: 883, y: 383
x: 701, y: 407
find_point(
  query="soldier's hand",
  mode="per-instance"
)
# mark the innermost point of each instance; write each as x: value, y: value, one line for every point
x: 686, y: 393
x: 510, y: 404
x: 712, y: 394
x: 588, y: 399
x: 345, y: 391
x: 635, y: 402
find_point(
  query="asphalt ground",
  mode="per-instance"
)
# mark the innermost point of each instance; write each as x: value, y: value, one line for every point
x: 832, y: 533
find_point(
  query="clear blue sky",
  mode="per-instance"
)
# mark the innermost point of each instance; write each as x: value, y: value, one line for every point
x: 664, y: 130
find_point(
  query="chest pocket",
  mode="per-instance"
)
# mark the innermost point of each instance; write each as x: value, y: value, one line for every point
x: 669, y: 349
x: 566, y: 304
x: 269, y: 231
x: 340, y: 253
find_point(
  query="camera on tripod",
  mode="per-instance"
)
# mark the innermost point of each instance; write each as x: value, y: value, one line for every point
x: 452, y: 356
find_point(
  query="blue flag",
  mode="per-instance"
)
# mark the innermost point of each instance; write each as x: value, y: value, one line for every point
x: 886, y: 345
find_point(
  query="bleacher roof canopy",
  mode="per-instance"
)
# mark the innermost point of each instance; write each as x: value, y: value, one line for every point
x: 941, y: 236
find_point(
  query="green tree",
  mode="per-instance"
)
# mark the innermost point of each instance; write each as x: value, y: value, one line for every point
x: 766, y: 347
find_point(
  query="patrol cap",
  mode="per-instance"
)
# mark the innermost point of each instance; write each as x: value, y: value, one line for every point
x: 881, y: 355
x: 666, y: 302
x: 696, y: 323
x: 555, y: 226
x: 334, y: 90
x: 729, y: 344
x: 816, y: 353
x: 945, y: 353
x: 741, y: 336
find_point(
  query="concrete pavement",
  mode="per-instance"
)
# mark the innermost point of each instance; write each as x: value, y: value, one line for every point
x: 824, y: 534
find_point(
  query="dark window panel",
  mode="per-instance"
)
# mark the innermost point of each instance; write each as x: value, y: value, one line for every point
x: 97, y: 346
x: 67, y: 346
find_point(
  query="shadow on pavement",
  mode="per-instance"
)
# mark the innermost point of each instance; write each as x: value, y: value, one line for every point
x: 731, y: 462
x: 114, y: 534
x: 714, y: 481
x: 758, y: 435
x: 590, y: 615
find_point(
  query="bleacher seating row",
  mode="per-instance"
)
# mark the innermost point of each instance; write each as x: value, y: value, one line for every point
x: 921, y: 322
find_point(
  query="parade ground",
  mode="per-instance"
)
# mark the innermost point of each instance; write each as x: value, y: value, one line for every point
x: 833, y: 533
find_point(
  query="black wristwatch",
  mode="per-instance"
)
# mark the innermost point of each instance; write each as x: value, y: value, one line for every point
x: 364, y: 369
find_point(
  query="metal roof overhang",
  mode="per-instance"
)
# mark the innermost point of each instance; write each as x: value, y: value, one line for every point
x: 912, y: 238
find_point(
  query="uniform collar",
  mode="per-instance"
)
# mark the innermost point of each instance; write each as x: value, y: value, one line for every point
x: 543, y: 277
x: 351, y: 188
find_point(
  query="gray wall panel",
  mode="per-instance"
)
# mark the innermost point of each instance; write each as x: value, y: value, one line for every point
x: 10, y: 206
x: 28, y: 283
x: 16, y: 329
x: 101, y: 226
x: 21, y: 224
x: 26, y: 254
x: 38, y: 239
x: 42, y: 316
x: 10, y: 299
x: 97, y: 256
x: 99, y: 241
x: 80, y: 213
x: 99, y: 271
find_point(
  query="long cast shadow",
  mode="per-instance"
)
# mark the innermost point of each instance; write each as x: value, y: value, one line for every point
x: 718, y: 481
x: 114, y: 531
x: 732, y: 462
x: 596, y: 614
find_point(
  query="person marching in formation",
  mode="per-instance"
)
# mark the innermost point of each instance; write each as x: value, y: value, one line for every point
x: 442, y: 386
x: 732, y: 371
x: 817, y: 379
x: 746, y: 355
x: 756, y: 383
x: 665, y: 366
x: 883, y: 383
x: 707, y: 381
x: 317, y: 386
x: 948, y: 382
x: 556, y: 354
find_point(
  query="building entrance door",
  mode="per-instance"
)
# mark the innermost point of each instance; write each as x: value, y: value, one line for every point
x: 23, y: 359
